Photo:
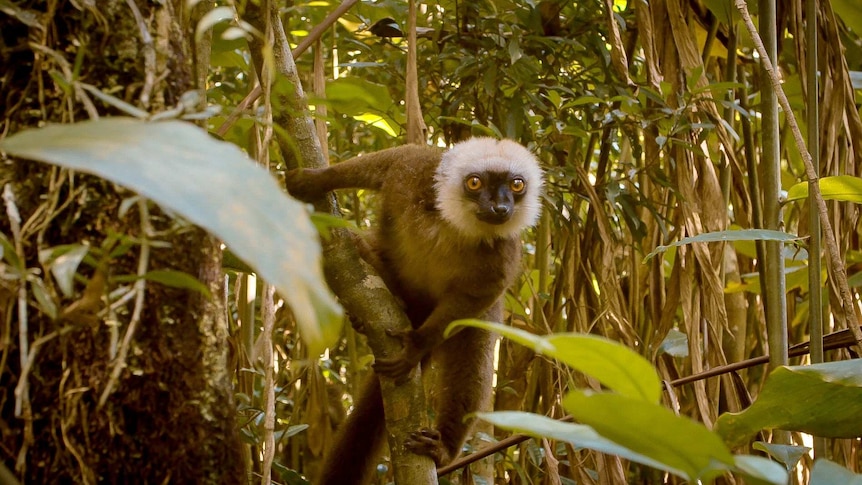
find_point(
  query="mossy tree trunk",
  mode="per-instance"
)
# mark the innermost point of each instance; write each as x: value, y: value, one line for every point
x: 168, y: 416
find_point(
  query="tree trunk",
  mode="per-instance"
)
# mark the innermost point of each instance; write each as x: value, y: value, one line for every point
x: 169, y: 414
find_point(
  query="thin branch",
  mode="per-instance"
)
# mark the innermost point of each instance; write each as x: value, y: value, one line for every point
x: 322, y: 27
x: 149, y: 53
x: 268, y: 303
x: 268, y: 309
x: 22, y: 394
x: 139, y: 287
x: 416, y: 128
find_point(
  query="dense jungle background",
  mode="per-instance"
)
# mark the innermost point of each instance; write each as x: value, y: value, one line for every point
x: 163, y: 311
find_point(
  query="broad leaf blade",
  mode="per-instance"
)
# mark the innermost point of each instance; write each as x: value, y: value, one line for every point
x: 789, y: 455
x: 579, y: 435
x: 819, y: 399
x: 758, y: 469
x: 653, y: 431
x: 211, y: 183
x: 840, y: 187
x: 614, y: 365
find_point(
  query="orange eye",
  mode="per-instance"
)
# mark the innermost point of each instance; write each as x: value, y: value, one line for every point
x: 518, y: 185
x: 473, y: 183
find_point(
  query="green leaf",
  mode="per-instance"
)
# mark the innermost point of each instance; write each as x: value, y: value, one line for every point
x: 214, y: 185
x: 171, y: 278
x: 11, y: 257
x: 840, y: 187
x: 354, y: 95
x: 580, y: 435
x: 850, y: 12
x: 758, y: 469
x: 787, y: 454
x: 825, y: 472
x: 614, y: 365
x: 44, y: 301
x: 732, y: 235
x: 819, y: 399
x: 683, y: 447
x: 63, y: 262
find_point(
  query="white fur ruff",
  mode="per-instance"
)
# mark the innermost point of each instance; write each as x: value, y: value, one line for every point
x: 478, y: 155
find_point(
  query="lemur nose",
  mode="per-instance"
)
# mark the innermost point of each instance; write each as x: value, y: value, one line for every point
x: 501, y: 209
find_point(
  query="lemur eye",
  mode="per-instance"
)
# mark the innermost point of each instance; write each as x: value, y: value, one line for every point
x: 473, y: 183
x: 518, y: 185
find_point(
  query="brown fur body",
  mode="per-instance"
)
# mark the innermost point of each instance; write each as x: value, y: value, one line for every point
x: 441, y: 275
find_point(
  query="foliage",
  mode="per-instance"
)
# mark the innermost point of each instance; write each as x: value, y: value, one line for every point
x: 178, y: 166
x: 642, y: 431
x: 646, y: 117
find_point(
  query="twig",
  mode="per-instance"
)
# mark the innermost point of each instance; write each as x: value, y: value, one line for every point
x: 139, y: 287
x: 64, y: 65
x: 839, y: 273
x: 34, y: 350
x: 268, y: 303
x: 149, y: 53
x: 268, y: 308
x: 22, y: 393
x: 320, y: 28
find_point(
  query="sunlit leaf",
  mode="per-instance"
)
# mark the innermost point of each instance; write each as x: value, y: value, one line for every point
x: 376, y: 121
x: 685, y: 447
x: 614, y: 365
x: 214, y: 185
x: 840, y: 187
x: 580, y: 435
x: 819, y: 399
x: 850, y: 12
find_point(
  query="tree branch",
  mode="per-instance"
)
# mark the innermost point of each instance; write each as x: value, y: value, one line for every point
x: 362, y: 293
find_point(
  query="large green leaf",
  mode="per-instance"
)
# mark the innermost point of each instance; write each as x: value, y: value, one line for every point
x: 756, y: 469
x: 614, y: 365
x: 580, y: 435
x: 685, y: 447
x: 819, y: 399
x: 363, y: 100
x: 214, y: 185
x: 840, y: 187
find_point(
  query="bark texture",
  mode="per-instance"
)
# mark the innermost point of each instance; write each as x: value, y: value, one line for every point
x: 169, y: 417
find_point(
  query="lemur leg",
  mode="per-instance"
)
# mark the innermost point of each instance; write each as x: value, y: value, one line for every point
x: 465, y: 371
